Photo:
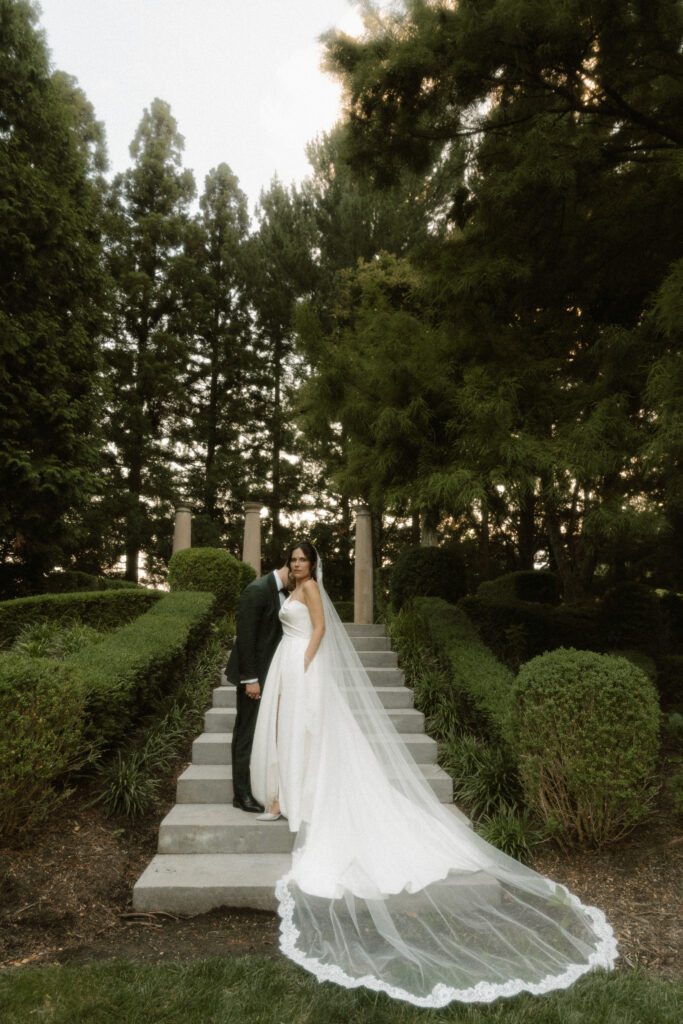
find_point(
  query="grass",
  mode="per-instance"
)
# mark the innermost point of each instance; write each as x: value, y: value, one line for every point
x: 261, y: 991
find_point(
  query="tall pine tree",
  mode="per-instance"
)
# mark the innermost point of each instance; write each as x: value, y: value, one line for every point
x: 148, y: 349
x: 51, y: 294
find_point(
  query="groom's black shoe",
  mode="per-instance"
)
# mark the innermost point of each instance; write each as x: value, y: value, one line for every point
x: 246, y: 802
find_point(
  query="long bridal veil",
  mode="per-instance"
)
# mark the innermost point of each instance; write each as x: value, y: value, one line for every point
x: 389, y: 890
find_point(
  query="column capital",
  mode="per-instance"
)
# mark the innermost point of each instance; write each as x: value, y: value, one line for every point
x: 183, y: 506
x: 361, y: 509
x: 253, y: 506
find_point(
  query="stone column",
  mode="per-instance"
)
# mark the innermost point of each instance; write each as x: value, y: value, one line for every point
x: 182, y: 531
x: 362, y: 577
x: 251, y: 550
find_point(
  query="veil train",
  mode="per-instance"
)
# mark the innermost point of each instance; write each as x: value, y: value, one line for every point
x: 390, y: 891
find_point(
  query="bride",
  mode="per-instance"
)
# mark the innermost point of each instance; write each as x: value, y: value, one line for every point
x: 387, y: 888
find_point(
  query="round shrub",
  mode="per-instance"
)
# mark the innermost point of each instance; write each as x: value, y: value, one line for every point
x: 427, y: 572
x: 247, y: 575
x: 208, y: 569
x: 586, y: 730
x: 537, y: 585
x: 631, y: 616
x: 41, y: 709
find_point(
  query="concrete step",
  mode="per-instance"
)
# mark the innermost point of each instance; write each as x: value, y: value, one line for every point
x: 371, y: 643
x: 391, y: 696
x: 386, y: 676
x: 214, y: 748
x: 378, y: 674
x: 212, y: 784
x: 196, y: 883
x: 378, y: 659
x: 404, y: 720
x: 221, y: 828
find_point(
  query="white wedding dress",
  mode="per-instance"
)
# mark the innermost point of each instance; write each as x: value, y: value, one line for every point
x: 387, y: 888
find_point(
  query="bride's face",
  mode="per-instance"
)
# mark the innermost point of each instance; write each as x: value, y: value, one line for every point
x: 299, y: 566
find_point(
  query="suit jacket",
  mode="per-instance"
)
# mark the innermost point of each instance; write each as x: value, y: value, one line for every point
x: 258, y: 631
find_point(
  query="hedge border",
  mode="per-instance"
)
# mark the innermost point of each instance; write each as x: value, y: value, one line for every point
x: 95, y: 608
x: 135, y: 665
x: 482, y: 683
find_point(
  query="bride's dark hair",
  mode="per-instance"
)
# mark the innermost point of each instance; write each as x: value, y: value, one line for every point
x: 310, y: 553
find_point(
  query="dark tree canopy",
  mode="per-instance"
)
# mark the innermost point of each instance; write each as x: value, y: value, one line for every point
x: 51, y: 292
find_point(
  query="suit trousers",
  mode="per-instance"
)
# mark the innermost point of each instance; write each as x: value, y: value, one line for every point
x: 242, y: 739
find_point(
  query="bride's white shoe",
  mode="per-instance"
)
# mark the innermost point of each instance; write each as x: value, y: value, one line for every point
x: 268, y: 816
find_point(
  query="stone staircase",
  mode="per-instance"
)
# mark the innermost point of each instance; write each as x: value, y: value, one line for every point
x: 212, y: 854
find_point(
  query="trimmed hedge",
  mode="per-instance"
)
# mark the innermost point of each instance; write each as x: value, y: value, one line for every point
x: 132, y: 667
x: 586, y: 735
x: 482, y: 685
x: 42, y: 714
x: 71, y: 581
x: 427, y: 572
x: 212, y: 570
x: 102, y: 609
x: 247, y: 575
x: 519, y: 630
x: 537, y: 585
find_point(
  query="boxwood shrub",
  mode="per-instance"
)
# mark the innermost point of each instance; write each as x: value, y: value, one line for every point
x: 42, y: 714
x: 131, y: 668
x: 247, y: 575
x: 586, y: 729
x: 482, y: 686
x: 102, y: 609
x: 212, y: 570
x: 427, y: 572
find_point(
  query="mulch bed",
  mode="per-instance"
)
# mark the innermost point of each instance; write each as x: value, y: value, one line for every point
x: 65, y: 895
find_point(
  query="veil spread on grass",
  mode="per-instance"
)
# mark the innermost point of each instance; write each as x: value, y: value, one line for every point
x: 389, y: 890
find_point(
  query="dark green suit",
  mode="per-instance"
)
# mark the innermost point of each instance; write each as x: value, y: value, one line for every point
x: 258, y: 634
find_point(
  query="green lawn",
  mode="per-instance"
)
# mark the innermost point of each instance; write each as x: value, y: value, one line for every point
x: 254, y: 990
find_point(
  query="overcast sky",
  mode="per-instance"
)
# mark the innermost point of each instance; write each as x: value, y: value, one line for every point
x: 242, y: 77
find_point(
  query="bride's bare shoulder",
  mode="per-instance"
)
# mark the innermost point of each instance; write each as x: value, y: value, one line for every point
x: 311, y: 587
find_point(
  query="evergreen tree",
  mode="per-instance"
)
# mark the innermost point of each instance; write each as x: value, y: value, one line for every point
x: 284, y: 274
x: 218, y: 428
x: 149, y: 348
x: 51, y: 292
x: 561, y: 124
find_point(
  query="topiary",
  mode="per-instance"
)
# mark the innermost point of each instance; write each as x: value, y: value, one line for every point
x: 247, y: 575
x: 427, y: 572
x: 209, y: 569
x: 586, y: 736
x: 537, y: 585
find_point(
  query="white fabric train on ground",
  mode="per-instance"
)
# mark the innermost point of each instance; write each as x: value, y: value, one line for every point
x: 387, y: 888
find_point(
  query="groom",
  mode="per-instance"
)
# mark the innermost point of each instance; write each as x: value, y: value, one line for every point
x: 258, y: 634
